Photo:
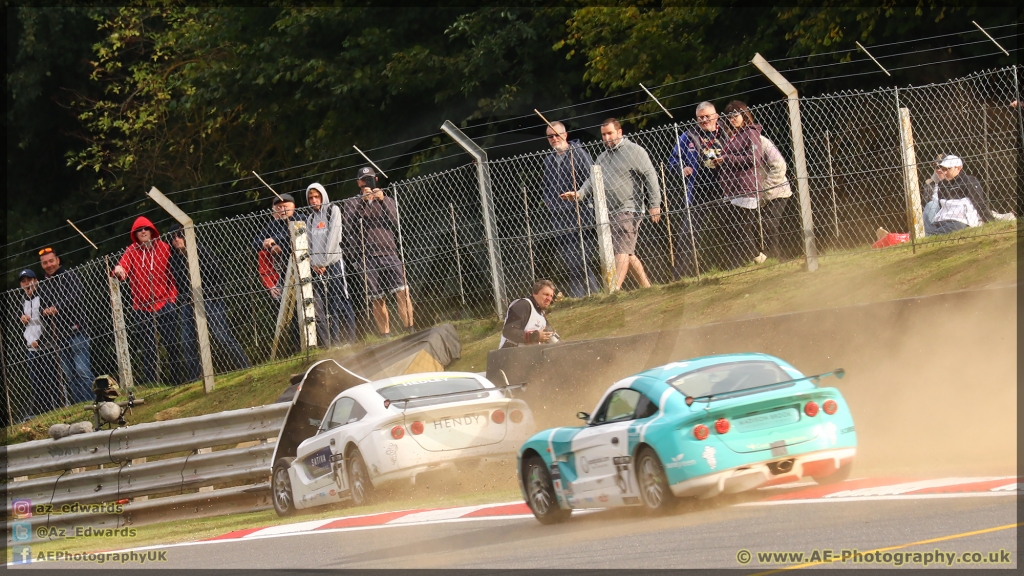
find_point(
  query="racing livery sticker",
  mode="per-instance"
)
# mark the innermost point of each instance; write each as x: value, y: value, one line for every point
x: 709, y: 455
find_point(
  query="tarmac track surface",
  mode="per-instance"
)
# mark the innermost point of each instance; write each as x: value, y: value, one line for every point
x: 709, y: 534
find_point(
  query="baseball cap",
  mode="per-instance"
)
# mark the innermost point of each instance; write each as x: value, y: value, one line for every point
x: 951, y: 161
x: 365, y: 171
x: 283, y: 198
x: 26, y: 273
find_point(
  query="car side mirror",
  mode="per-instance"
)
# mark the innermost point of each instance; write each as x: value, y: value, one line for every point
x: 583, y: 416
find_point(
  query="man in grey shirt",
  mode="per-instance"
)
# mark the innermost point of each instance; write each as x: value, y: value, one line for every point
x: 622, y: 164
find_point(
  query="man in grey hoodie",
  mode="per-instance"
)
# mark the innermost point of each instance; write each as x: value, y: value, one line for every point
x: 330, y: 289
x: 622, y: 166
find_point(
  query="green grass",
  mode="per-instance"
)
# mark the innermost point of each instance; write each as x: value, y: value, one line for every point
x: 843, y: 279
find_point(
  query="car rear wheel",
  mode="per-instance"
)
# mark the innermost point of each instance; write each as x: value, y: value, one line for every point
x: 540, y: 493
x: 358, y: 479
x: 836, y: 477
x: 650, y: 475
x: 281, y: 485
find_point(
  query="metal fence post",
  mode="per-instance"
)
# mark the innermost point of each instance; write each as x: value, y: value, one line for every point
x: 199, y: 305
x: 911, y: 186
x: 304, y: 289
x: 484, y: 182
x: 604, y: 233
x: 799, y: 159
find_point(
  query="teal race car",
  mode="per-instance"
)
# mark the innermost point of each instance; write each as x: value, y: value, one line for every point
x: 696, y: 428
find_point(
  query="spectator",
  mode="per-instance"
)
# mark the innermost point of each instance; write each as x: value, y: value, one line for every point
x: 146, y: 267
x: 330, y: 289
x: 697, y: 147
x: 622, y: 165
x: 565, y: 168
x: 375, y: 251
x: 273, y: 247
x: 41, y: 373
x: 775, y: 194
x: 526, y: 319
x: 740, y: 185
x: 212, y: 276
x: 61, y: 298
x: 962, y: 202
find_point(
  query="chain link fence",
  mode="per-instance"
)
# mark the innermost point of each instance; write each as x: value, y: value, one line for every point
x: 729, y: 215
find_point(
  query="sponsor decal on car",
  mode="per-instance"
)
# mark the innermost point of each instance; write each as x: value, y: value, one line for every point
x: 455, y: 421
x: 602, y: 498
x: 709, y: 455
x: 392, y: 452
x: 678, y: 462
x: 847, y: 430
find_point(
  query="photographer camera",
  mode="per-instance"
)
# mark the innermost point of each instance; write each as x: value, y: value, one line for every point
x: 526, y: 319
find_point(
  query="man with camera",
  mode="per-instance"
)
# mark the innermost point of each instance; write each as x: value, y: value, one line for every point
x: 371, y: 219
x: 526, y: 319
x: 696, y: 151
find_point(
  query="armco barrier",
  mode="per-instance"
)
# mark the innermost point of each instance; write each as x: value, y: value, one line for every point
x: 931, y: 381
x: 75, y: 498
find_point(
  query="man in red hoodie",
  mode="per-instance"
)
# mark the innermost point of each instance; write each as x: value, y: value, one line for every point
x: 145, y: 264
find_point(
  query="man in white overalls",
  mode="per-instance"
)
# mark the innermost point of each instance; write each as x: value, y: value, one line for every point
x: 525, y: 321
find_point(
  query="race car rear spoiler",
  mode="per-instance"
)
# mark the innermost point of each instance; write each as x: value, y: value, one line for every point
x: 506, y: 387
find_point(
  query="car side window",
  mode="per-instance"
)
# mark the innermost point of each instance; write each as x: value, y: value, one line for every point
x: 356, y: 414
x: 621, y: 405
x: 645, y: 407
x: 342, y: 410
x: 324, y: 424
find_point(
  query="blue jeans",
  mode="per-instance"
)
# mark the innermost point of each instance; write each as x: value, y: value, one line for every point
x: 217, y: 324
x: 579, y: 273
x: 165, y: 323
x: 48, y: 387
x: 943, y: 227
x: 75, y: 363
x: 333, y: 307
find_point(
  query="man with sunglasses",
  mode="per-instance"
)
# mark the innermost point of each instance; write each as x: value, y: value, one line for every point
x: 146, y: 267
x: 64, y: 317
x: 962, y: 202
x: 566, y: 168
x: 694, y: 157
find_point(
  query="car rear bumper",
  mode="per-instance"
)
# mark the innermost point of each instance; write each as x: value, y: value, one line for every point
x: 742, y: 478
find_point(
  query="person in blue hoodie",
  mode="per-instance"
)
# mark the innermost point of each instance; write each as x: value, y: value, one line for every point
x: 565, y: 168
x: 330, y: 289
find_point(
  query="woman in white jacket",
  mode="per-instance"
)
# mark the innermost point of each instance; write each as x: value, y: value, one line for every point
x: 775, y: 193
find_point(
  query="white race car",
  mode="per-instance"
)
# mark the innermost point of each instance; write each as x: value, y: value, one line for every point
x: 389, y: 430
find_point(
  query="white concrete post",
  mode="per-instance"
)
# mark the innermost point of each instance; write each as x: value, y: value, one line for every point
x: 304, y: 289
x: 911, y: 185
x: 124, y: 358
x: 604, y: 232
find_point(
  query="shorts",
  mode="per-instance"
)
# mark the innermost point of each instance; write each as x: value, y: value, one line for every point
x: 624, y: 231
x: 384, y: 275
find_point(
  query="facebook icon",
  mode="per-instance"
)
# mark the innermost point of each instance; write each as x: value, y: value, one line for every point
x: 21, y: 554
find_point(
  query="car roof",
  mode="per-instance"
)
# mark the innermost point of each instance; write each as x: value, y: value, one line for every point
x: 673, y: 369
x: 360, y: 391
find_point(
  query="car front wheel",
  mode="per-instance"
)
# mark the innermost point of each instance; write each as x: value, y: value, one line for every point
x: 358, y: 478
x: 281, y: 485
x: 650, y: 475
x: 540, y: 493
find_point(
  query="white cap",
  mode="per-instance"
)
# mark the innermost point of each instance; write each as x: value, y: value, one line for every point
x: 951, y: 161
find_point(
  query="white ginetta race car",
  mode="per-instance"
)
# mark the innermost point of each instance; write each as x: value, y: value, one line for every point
x: 393, y: 429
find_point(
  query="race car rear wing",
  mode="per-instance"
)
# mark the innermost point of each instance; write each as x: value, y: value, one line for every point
x: 506, y: 388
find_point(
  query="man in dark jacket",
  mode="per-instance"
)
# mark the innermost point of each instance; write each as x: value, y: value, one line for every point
x: 64, y: 315
x: 213, y: 299
x: 369, y: 229
x: 566, y: 168
x: 962, y: 201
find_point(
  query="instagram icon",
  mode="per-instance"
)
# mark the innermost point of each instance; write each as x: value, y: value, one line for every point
x: 22, y: 508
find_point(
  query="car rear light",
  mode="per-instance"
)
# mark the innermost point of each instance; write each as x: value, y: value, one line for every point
x: 830, y: 407
x: 515, y: 416
x: 498, y: 416
x: 700, y: 432
x: 721, y: 425
x: 416, y: 428
x: 811, y: 409
x: 397, y: 432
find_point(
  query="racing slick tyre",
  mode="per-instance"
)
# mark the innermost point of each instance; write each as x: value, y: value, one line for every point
x: 836, y: 477
x: 281, y: 487
x: 650, y: 477
x: 540, y: 493
x: 359, y: 478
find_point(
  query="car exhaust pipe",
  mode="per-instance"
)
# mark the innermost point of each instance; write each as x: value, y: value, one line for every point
x: 781, y: 467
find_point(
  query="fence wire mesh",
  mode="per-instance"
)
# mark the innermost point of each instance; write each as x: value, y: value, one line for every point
x: 713, y: 216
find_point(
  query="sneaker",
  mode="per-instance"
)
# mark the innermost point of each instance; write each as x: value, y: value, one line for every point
x: 760, y: 258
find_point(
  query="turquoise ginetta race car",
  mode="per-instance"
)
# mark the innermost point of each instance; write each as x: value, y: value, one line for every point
x: 696, y: 428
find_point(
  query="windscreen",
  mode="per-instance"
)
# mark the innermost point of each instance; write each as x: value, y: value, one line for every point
x: 723, y: 379
x: 421, y: 388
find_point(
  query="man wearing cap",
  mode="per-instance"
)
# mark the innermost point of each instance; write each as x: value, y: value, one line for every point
x: 962, y: 201
x: 212, y: 276
x: 330, y: 289
x: 370, y: 223
x: 65, y: 318
x: 146, y: 266
x: 41, y: 373
x: 274, y: 245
